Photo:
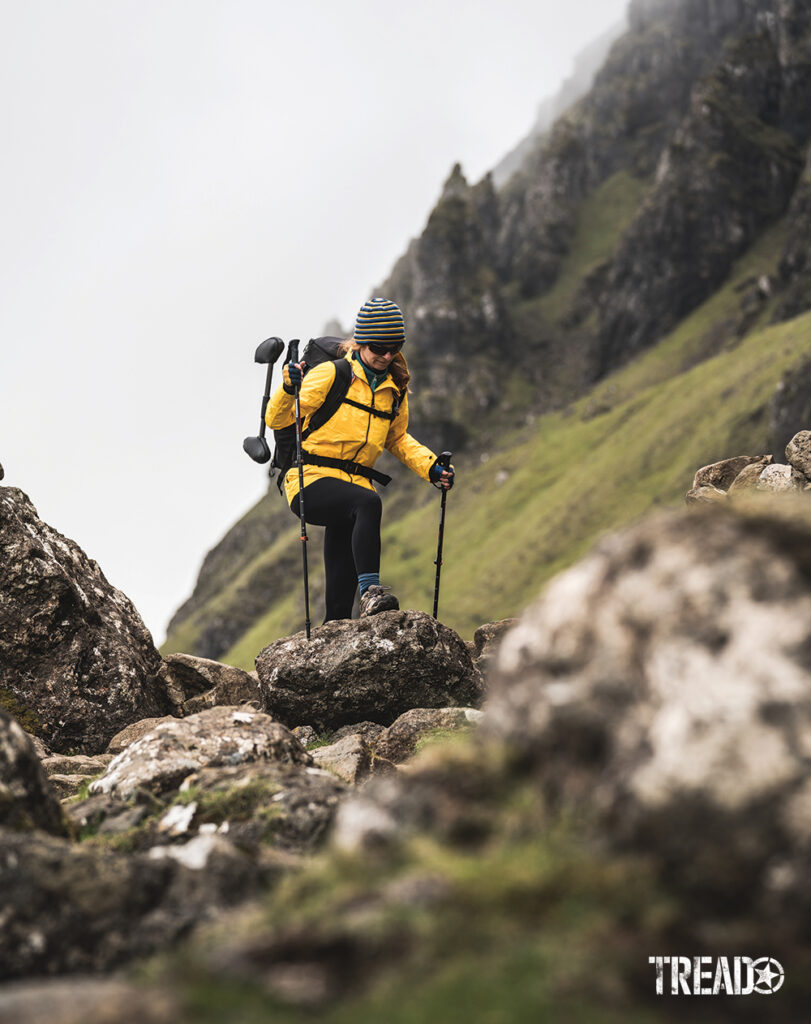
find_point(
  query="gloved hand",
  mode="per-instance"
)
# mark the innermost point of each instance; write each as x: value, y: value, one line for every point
x: 441, y: 476
x: 291, y: 375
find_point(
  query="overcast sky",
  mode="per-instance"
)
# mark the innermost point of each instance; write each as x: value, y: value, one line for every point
x: 183, y: 178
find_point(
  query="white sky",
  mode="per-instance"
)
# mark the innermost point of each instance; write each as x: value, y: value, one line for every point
x: 183, y: 178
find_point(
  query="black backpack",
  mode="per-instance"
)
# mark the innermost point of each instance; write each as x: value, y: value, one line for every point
x: 319, y: 350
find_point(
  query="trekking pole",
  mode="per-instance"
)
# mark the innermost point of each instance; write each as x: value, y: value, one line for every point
x: 267, y: 352
x: 444, y: 460
x: 292, y: 357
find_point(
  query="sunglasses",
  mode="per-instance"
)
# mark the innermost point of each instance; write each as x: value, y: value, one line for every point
x: 381, y: 350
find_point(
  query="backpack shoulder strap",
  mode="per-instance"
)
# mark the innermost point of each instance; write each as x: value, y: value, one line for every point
x: 335, y: 395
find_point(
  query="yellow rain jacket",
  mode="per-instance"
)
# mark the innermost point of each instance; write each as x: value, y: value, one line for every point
x: 351, y: 434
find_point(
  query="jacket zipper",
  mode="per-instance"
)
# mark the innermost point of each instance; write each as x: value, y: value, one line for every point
x: 366, y: 439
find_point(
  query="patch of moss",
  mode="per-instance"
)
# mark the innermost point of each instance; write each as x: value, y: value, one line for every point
x: 440, y: 735
x: 25, y: 715
x: 234, y: 803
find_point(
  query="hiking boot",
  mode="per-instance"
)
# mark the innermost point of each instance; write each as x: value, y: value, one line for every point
x: 378, y: 599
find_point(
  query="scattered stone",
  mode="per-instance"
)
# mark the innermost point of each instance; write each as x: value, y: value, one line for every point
x: 77, y: 663
x: 66, y: 786
x: 176, y: 747
x: 350, y: 759
x: 705, y: 496
x: 27, y: 800
x: 124, y: 821
x: 400, y: 740
x: 486, y: 641
x: 747, y: 479
x: 369, y: 731
x: 92, y: 811
x: 374, y: 668
x: 305, y: 734
x: 266, y: 802
x: 721, y: 475
x: 78, y: 764
x: 777, y: 480
x: 798, y: 453
x: 191, y: 682
x: 202, y: 702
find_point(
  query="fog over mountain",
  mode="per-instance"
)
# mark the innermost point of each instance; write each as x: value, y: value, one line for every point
x: 184, y: 180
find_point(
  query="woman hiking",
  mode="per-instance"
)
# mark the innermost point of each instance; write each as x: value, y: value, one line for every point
x: 372, y: 416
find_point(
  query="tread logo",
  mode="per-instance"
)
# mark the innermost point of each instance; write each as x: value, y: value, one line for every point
x: 713, y: 976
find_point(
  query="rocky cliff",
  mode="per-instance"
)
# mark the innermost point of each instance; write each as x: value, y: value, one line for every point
x: 703, y: 105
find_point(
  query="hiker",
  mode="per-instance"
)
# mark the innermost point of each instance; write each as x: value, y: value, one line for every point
x: 340, y: 455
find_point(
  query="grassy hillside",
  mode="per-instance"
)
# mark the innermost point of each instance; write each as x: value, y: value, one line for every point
x: 533, y: 498
x: 546, y: 492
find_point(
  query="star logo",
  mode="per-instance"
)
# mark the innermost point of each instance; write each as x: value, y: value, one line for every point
x: 769, y: 975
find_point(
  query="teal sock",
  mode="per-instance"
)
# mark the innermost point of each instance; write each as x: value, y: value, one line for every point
x: 368, y: 579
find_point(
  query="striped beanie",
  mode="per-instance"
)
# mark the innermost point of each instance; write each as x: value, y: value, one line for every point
x: 380, y: 322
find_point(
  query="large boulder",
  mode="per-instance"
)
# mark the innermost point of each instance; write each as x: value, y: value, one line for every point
x: 159, y: 761
x: 77, y: 663
x: 26, y: 798
x: 665, y: 683
x: 374, y: 668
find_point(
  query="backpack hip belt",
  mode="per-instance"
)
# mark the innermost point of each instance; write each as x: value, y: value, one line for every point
x: 353, y: 468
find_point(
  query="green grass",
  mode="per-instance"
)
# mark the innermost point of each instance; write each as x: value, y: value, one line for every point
x: 576, y: 477
x: 549, y: 491
x: 602, y: 218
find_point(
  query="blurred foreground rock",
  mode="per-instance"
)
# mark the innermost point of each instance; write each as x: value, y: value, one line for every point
x: 667, y: 679
x: 27, y: 801
x: 70, y: 908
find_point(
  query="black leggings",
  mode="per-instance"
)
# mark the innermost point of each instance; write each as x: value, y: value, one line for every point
x: 351, y: 515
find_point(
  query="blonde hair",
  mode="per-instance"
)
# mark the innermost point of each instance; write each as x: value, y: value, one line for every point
x: 398, y: 367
